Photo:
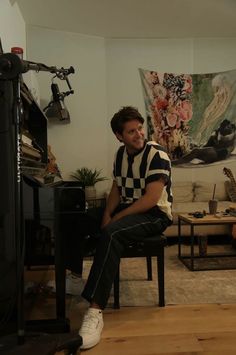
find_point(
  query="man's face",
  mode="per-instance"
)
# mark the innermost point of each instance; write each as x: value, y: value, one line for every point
x: 132, y: 136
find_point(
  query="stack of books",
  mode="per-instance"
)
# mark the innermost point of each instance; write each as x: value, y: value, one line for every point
x: 28, y: 150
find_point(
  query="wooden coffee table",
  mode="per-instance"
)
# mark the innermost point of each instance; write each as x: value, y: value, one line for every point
x: 189, y: 260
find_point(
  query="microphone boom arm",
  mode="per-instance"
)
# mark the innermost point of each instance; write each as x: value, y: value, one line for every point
x: 11, y: 66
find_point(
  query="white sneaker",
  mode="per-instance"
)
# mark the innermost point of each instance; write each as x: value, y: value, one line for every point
x: 29, y: 287
x: 74, y: 285
x: 91, y: 328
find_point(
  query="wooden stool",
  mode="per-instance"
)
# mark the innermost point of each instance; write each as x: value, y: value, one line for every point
x: 152, y: 246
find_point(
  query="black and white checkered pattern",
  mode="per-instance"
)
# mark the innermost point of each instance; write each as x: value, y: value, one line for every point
x: 133, y: 173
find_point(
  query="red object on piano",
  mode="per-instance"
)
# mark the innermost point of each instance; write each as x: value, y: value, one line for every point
x: 18, y: 50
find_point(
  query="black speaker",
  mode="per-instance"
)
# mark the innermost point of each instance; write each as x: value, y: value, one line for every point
x: 70, y: 197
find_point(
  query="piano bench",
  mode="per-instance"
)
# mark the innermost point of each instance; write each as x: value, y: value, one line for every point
x: 150, y: 247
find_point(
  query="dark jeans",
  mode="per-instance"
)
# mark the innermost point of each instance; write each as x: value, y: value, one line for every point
x: 112, y: 241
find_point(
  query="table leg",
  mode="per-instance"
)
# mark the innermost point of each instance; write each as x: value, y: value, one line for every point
x: 179, y: 238
x: 60, y: 273
x: 60, y: 269
x: 192, y: 248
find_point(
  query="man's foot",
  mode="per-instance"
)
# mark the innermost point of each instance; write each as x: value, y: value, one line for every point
x: 91, y: 328
x: 74, y: 285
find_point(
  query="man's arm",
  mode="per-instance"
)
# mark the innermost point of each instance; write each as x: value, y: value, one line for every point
x: 144, y: 203
x: 113, y: 201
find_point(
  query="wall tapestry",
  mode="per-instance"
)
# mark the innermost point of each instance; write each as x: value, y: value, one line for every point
x: 193, y: 116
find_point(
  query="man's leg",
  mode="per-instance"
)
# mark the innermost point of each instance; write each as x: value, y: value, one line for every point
x: 110, y: 246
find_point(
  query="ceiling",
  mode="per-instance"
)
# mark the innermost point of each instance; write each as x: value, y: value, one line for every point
x: 134, y: 18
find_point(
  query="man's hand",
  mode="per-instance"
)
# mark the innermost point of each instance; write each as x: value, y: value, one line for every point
x: 116, y: 217
x: 144, y: 203
x: 106, y: 220
x: 111, y: 204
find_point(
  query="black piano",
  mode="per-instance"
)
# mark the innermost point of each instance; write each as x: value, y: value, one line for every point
x: 26, y: 182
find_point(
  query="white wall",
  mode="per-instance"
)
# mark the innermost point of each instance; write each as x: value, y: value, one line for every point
x: 107, y: 78
x: 12, y: 26
x: 83, y: 142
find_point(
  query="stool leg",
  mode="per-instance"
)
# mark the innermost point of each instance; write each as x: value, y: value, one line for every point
x: 116, y: 286
x: 160, y: 277
x: 149, y: 267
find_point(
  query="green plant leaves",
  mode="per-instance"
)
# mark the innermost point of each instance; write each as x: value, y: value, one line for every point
x: 88, y: 177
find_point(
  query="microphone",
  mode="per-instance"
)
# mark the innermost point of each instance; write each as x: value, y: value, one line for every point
x: 57, y: 108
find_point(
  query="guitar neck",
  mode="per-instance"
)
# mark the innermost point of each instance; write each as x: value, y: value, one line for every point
x: 233, y: 182
x: 229, y: 174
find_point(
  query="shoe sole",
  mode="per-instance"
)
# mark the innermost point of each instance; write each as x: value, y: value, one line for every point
x: 91, y: 344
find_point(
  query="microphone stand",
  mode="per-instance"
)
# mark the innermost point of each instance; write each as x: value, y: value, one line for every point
x: 11, y: 68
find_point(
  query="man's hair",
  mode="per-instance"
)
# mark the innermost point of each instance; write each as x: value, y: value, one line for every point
x: 126, y: 114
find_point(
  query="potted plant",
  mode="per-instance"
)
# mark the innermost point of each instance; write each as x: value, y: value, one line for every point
x: 88, y: 177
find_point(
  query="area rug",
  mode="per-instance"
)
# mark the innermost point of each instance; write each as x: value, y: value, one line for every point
x: 181, y: 285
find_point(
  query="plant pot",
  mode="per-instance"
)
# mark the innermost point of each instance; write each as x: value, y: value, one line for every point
x: 90, y: 193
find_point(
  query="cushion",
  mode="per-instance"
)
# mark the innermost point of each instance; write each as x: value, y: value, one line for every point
x: 203, y: 191
x: 182, y: 191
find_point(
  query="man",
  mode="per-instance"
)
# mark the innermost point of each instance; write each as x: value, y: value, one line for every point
x: 138, y: 206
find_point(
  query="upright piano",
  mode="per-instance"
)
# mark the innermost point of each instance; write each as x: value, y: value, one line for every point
x: 24, y: 172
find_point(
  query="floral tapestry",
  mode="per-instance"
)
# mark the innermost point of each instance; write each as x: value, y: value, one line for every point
x: 192, y: 115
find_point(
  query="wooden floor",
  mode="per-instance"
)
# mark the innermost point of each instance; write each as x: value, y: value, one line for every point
x: 176, y: 329
x: 199, y: 329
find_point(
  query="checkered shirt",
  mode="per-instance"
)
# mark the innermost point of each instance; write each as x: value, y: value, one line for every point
x: 133, y: 172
